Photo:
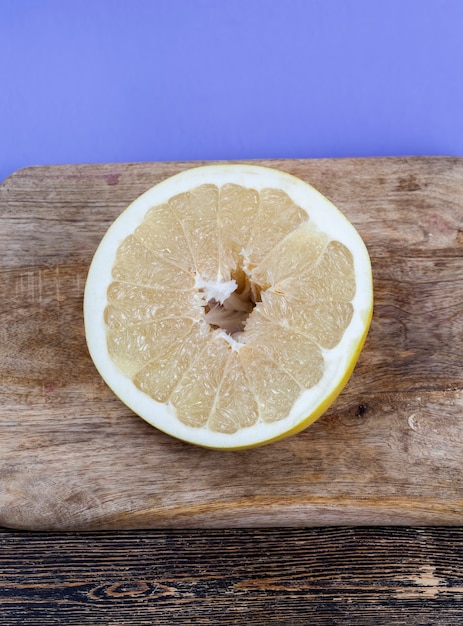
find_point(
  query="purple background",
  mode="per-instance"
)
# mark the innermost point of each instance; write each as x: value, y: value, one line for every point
x: 155, y: 80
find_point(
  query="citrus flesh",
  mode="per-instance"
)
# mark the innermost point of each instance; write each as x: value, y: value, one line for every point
x: 227, y: 305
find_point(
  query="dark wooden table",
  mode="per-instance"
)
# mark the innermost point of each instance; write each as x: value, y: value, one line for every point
x: 409, y: 576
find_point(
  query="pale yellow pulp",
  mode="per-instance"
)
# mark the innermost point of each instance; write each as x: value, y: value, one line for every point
x: 231, y: 364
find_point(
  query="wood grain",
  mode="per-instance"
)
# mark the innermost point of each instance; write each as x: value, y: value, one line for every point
x: 389, y: 450
x: 342, y: 576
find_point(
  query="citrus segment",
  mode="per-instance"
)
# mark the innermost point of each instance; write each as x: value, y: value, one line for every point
x: 294, y: 352
x: 196, y: 210
x: 137, y: 265
x: 296, y: 253
x: 199, y: 389
x: 236, y: 407
x: 275, y: 389
x: 234, y: 233
x: 324, y: 323
x: 161, y: 375
x: 161, y: 234
x: 132, y: 347
x: 277, y: 216
x: 227, y: 306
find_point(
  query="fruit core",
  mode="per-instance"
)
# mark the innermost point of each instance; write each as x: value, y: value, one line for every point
x: 228, y: 304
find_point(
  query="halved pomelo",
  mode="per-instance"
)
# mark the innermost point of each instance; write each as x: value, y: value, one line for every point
x: 227, y: 305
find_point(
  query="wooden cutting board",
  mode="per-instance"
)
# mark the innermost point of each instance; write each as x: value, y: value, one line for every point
x: 389, y: 451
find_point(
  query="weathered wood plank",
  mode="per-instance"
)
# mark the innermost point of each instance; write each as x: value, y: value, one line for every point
x: 351, y: 576
x: 387, y: 452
